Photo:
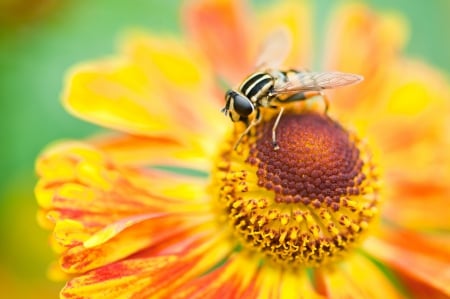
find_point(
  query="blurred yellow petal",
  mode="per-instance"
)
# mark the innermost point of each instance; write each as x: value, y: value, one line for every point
x: 183, y: 75
x: 115, y: 93
x: 119, y: 94
x: 69, y: 232
x: 167, y: 60
x: 296, y: 16
x: 357, y: 277
x: 297, y: 285
x: 362, y: 42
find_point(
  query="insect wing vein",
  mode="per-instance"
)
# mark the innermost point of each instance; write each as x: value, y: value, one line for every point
x: 309, y: 81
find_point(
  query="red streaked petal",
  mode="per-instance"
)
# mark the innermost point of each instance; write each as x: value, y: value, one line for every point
x: 112, y: 244
x: 95, y: 196
x: 221, y: 30
x: 414, y: 256
x: 146, y: 276
x: 141, y: 150
x: 226, y: 281
x: 119, y: 280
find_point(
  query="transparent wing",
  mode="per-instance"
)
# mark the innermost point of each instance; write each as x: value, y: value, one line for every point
x: 307, y: 81
x: 274, y: 50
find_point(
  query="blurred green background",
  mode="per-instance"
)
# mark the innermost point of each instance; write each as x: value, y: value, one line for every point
x: 40, y: 39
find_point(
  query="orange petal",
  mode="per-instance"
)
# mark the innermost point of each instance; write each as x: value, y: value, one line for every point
x: 363, y: 42
x: 221, y: 29
x: 356, y: 277
x: 415, y: 256
x: 412, y: 94
x: 411, y: 198
x: 411, y: 126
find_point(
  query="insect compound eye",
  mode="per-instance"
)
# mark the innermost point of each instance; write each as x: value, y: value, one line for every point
x: 242, y: 105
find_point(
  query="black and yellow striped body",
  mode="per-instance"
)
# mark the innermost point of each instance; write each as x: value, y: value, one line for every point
x: 257, y: 87
x: 258, y: 90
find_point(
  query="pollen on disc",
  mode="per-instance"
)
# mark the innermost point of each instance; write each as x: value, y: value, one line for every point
x: 305, y: 204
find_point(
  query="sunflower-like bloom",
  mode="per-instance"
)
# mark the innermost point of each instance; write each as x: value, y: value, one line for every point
x: 165, y: 207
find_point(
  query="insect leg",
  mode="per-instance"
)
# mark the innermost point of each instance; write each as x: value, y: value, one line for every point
x: 274, y: 130
x: 325, y: 100
x: 254, y: 122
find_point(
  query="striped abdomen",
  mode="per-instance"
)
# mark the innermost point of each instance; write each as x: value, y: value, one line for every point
x: 257, y: 86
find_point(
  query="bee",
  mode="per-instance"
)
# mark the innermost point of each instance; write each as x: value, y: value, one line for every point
x: 270, y: 87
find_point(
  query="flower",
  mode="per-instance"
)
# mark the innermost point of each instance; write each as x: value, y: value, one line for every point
x: 166, y: 208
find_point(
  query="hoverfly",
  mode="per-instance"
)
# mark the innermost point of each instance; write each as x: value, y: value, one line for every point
x: 270, y: 87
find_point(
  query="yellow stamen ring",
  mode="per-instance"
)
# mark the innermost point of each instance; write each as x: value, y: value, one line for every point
x: 305, y: 204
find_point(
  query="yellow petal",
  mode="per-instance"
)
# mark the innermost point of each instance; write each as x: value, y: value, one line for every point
x: 357, y: 277
x: 296, y: 17
x: 117, y: 94
x: 112, y: 230
x: 297, y: 285
x: 167, y: 60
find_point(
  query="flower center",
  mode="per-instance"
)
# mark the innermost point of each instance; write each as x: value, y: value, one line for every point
x: 305, y: 204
